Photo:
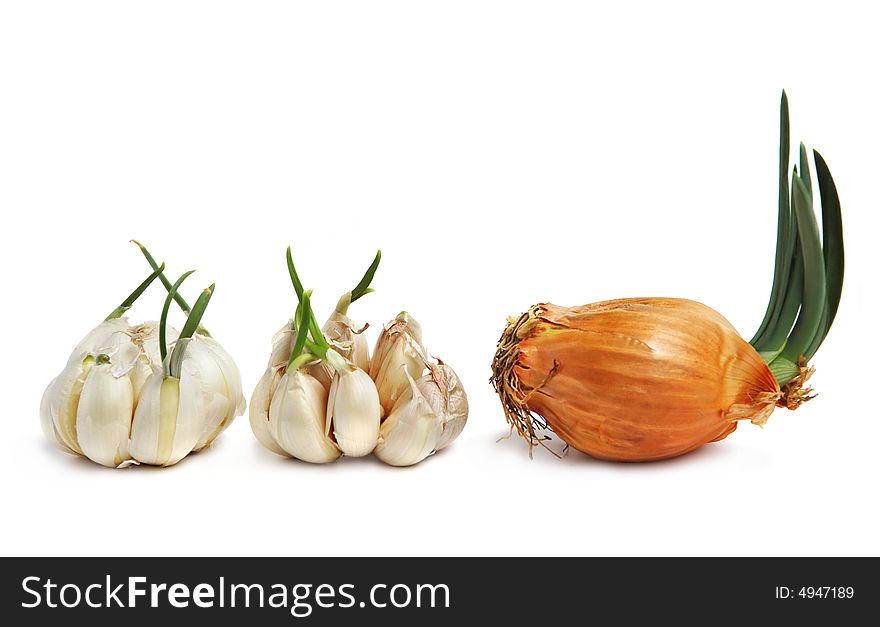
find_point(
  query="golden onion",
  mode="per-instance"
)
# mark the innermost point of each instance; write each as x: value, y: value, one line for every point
x: 643, y: 379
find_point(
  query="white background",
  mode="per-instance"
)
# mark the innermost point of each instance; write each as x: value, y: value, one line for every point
x: 500, y: 154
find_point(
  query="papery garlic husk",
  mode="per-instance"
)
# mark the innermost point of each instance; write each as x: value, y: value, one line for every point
x: 282, y: 344
x: 221, y: 387
x: 298, y: 418
x: 87, y: 410
x: 635, y: 379
x: 347, y: 339
x: 399, y: 356
x: 353, y: 410
x: 444, y: 392
x: 411, y: 431
x: 259, y: 408
x: 170, y: 416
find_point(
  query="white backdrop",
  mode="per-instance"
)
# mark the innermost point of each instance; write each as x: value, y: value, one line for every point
x: 500, y: 154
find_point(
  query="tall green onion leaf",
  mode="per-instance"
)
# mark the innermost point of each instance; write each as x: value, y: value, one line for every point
x: 805, y: 171
x: 813, y: 304
x: 128, y: 302
x: 832, y: 249
x: 780, y: 273
x: 775, y: 336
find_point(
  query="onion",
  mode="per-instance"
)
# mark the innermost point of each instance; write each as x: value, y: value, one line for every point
x: 634, y: 379
x: 642, y: 379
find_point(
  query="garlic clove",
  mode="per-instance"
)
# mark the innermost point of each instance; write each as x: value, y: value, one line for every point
x: 145, y: 425
x: 98, y: 339
x: 48, y: 407
x: 399, y: 356
x: 348, y: 339
x: 191, y: 412
x: 65, y: 401
x: 322, y: 372
x: 297, y: 418
x: 104, y: 415
x: 146, y: 338
x: 411, y: 431
x: 354, y: 411
x: 444, y: 392
x: 259, y: 409
x: 221, y: 386
x: 282, y: 344
x: 168, y: 419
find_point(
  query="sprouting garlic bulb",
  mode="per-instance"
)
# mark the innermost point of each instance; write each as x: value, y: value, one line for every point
x: 110, y: 404
x: 399, y: 405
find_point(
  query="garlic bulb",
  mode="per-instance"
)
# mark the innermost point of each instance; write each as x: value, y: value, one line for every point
x: 118, y: 401
x: 424, y: 403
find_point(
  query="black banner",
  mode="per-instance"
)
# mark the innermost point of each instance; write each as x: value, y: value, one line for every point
x: 316, y: 591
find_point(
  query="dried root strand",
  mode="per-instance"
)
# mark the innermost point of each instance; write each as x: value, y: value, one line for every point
x: 795, y: 393
x: 514, y: 398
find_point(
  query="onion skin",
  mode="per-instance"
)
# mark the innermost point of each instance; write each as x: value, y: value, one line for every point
x: 636, y: 379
